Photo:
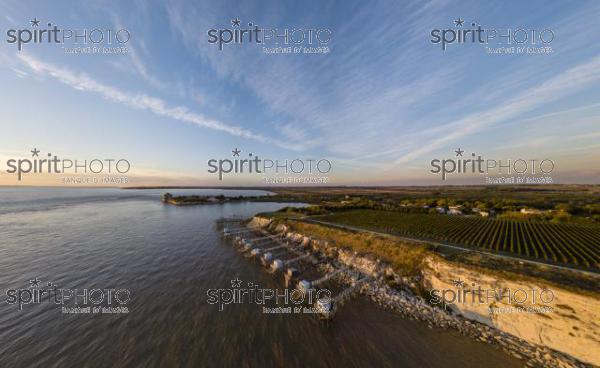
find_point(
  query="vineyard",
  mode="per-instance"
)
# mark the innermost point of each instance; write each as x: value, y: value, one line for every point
x: 572, y: 244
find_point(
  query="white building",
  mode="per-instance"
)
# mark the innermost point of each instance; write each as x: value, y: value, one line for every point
x: 530, y: 211
x: 454, y: 211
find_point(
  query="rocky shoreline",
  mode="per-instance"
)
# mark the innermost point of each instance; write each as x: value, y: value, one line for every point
x: 402, y: 299
x: 414, y: 307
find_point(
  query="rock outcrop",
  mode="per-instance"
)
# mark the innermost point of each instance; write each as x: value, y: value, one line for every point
x: 566, y: 336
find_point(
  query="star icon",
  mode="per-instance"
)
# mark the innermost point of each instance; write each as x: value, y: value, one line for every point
x: 35, y: 152
x: 458, y: 283
x: 459, y: 152
x: 35, y: 22
x: 34, y: 283
x: 235, y: 22
x: 459, y: 22
x: 236, y: 283
x: 236, y: 152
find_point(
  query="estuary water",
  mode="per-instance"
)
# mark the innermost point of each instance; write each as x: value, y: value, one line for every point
x: 167, y: 257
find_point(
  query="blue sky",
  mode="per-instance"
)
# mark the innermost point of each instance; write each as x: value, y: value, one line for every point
x: 380, y: 105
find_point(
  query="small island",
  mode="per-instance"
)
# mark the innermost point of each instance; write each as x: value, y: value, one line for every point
x: 188, y: 200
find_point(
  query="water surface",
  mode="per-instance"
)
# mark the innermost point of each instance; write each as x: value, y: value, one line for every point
x: 168, y: 257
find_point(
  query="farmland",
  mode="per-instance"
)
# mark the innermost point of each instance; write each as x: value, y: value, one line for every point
x: 562, y: 243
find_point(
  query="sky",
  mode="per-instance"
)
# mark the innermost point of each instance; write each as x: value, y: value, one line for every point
x: 380, y: 105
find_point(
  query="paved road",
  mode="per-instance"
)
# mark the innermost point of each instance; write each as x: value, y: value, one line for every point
x: 446, y: 245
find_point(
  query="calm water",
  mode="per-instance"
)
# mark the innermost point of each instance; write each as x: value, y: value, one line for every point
x: 168, y: 257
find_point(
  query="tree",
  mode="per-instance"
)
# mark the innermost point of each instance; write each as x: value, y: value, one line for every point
x: 167, y: 197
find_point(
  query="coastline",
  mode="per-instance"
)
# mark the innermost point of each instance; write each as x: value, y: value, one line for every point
x: 533, y: 338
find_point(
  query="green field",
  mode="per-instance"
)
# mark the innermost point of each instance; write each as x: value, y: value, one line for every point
x: 571, y: 244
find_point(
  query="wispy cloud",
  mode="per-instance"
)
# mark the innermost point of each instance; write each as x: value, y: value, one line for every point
x: 380, y: 102
x: 133, y: 54
x: 364, y: 83
x: 83, y: 82
x: 387, y: 95
x: 20, y: 73
x: 568, y: 82
x: 142, y: 70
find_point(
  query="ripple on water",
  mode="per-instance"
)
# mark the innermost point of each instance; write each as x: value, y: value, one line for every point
x: 168, y: 257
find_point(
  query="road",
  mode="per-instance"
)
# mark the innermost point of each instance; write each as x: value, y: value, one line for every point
x: 446, y: 245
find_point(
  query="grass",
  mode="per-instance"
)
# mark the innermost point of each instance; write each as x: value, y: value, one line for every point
x: 406, y: 259
x: 409, y: 259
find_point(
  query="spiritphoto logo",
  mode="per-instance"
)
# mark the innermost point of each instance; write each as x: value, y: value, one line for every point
x: 507, y: 171
x: 98, y: 40
x: 519, y: 40
x: 71, y: 301
x: 49, y: 163
x: 303, y: 40
x: 274, y: 171
x: 286, y: 301
x: 528, y: 300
